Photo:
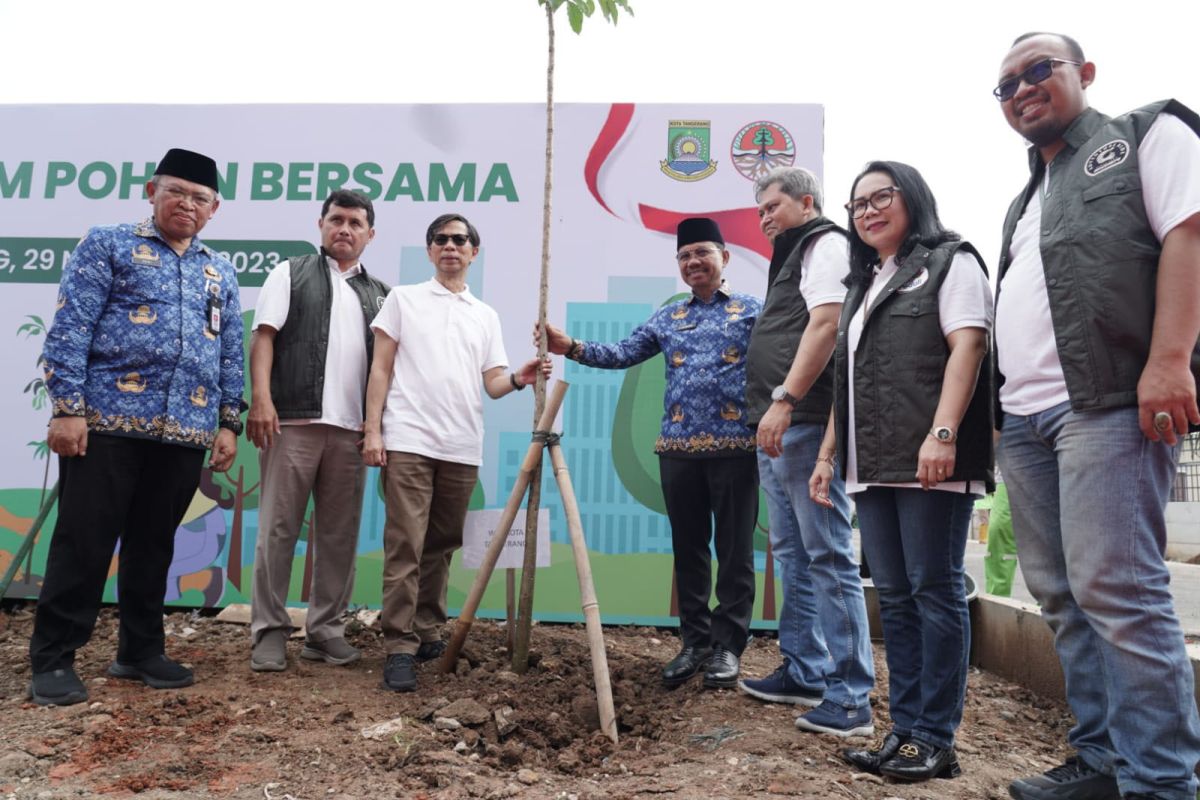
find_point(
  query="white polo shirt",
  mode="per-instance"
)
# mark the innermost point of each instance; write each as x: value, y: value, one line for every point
x: 446, y: 341
x: 346, y: 354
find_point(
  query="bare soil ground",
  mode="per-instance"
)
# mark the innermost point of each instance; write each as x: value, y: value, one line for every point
x: 300, y: 734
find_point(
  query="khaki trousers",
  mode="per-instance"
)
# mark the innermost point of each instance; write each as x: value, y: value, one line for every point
x: 322, y: 461
x: 426, y: 503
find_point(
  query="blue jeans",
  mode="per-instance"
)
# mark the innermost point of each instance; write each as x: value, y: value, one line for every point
x: 1088, y: 492
x: 823, y: 623
x: 914, y: 541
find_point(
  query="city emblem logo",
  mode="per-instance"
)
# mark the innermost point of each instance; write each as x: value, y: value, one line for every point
x: 1106, y: 156
x: 144, y: 254
x: 760, y: 147
x: 688, y: 150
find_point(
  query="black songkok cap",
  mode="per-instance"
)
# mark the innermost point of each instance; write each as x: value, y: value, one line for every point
x: 698, y: 229
x: 194, y: 167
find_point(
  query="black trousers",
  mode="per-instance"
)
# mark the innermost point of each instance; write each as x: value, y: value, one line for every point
x: 698, y: 493
x: 135, y: 490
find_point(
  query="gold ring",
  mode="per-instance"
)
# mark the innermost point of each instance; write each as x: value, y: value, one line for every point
x: 1162, y: 421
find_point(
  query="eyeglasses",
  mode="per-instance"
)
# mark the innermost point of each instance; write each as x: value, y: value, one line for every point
x: 459, y: 239
x: 179, y: 195
x: 1035, y: 74
x: 684, y: 256
x: 879, y: 200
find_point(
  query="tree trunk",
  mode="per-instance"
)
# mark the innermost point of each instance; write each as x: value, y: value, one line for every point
x: 520, y: 654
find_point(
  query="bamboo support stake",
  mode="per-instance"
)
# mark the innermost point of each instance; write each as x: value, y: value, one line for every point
x: 533, y: 459
x: 29, y: 540
x: 587, y: 596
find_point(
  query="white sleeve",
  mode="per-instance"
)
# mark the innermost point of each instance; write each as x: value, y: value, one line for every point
x: 1169, y: 159
x: 275, y: 298
x: 387, y: 321
x: 965, y: 298
x: 496, y: 357
x: 826, y: 264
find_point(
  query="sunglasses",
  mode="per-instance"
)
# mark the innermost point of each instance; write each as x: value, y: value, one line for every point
x: 459, y: 239
x: 1032, y: 76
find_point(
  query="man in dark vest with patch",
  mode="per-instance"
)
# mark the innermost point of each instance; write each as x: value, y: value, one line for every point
x: 823, y: 637
x: 1097, y: 319
x: 309, y: 358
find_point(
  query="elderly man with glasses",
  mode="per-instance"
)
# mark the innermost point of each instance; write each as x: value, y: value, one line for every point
x: 1097, y: 318
x: 705, y: 450
x: 823, y: 635
x: 144, y: 369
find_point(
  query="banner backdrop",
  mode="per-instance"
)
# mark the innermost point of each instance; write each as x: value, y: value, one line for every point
x: 624, y: 176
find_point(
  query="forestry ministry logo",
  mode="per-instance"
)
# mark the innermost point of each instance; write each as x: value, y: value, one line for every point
x: 688, y: 150
x: 760, y: 147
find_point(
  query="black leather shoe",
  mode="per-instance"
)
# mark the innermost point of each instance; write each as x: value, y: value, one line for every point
x: 869, y: 760
x: 400, y: 672
x: 690, y: 662
x: 723, y: 669
x: 919, y: 761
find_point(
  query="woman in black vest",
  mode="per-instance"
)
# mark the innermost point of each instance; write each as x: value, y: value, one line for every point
x: 911, y: 431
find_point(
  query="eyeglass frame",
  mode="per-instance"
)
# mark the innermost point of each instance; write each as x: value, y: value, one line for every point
x: 684, y: 256
x: 180, y: 194
x: 870, y: 200
x: 459, y: 239
x: 1024, y: 76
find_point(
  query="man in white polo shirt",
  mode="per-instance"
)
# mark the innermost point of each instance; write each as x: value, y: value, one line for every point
x: 308, y: 366
x: 435, y: 345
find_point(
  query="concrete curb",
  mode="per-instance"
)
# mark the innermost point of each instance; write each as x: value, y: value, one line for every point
x: 1010, y: 639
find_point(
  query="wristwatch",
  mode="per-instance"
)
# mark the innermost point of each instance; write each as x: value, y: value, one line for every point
x: 944, y: 434
x: 781, y: 394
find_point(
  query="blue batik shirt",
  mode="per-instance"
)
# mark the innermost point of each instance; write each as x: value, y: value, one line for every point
x: 135, y: 347
x: 704, y: 346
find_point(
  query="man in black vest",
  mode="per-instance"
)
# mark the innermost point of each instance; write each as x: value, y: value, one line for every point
x: 823, y: 635
x: 309, y: 359
x: 1097, y: 319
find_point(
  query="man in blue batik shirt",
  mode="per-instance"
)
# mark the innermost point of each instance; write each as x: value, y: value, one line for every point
x: 706, y: 452
x: 144, y: 370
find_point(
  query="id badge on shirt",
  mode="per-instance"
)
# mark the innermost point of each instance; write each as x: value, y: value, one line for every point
x: 213, y: 315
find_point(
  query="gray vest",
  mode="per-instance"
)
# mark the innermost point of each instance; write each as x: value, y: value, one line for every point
x: 298, y: 367
x: 780, y: 325
x: 899, y: 368
x: 1099, y: 253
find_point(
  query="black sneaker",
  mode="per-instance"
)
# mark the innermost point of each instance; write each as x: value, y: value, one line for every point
x: 428, y: 651
x: 157, y: 672
x: 400, y: 673
x: 59, y: 687
x: 1072, y: 780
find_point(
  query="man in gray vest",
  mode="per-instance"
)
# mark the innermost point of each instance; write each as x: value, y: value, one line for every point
x: 309, y: 358
x: 1097, y: 319
x: 823, y: 633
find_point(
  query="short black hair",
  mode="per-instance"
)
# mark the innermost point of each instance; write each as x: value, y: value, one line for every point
x: 1072, y: 45
x: 446, y: 219
x: 344, y: 198
x: 924, y: 226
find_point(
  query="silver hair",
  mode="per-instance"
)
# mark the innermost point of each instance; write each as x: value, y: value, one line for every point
x: 795, y: 182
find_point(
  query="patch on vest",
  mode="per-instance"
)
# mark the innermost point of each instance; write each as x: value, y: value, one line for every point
x: 1106, y: 156
x: 917, y: 282
x: 379, y: 301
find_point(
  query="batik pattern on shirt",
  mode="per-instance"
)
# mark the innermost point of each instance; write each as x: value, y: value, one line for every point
x: 704, y: 346
x: 136, y: 347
